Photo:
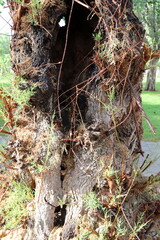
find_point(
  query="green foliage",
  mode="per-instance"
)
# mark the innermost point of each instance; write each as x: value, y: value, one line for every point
x: 84, y: 234
x: 5, y: 61
x: 5, y: 80
x: 139, y: 225
x: 19, y: 97
x: 16, y: 100
x: 11, y: 89
x: 97, y: 36
x: 15, y: 205
x: 36, y: 8
x: 91, y: 201
x: 3, y: 144
x: 111, y: 108
x: 4, y: 45
x: 2, y: 2
x: 5, y: 67
x: 109, y: 172
x: 120, y: 228
x: 148, y: 12
x: 111, y: 225
x: 3, y: 114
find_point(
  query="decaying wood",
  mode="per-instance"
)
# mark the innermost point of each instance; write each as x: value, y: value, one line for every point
x: 100, y: 118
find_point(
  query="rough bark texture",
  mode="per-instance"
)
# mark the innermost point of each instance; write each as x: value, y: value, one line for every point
x: 94, y: 93
x: 151, y: 75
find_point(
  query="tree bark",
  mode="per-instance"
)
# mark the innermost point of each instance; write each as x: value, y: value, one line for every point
x: 92, y: 87
x: 151, y: 75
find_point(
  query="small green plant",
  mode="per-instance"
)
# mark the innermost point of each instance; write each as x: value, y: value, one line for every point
x: 2, y: 2
x: 3, y: 113
x: 84, y: 234
x: 61, y: 202
x: 111, y: 108
x: 3, y: 149
x: 14, y: 98
x: 37, y: 167
x: 5, y: 64
x: 121, y: 229
x: 110, y: 172
x: 47, y: 161
x: 36, y: 8
x: 15, y: 204
x: 91, y: 201
x: 97, y: 36
x: 48, y: 142
x: 22, y: 98
x: 139, y: 225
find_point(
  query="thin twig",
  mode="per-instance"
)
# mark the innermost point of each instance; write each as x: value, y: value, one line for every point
x: 4, y: 34
x: 45, y: 29
x: 84, y: 5
x: 6, y: 20
x: 129, y: 224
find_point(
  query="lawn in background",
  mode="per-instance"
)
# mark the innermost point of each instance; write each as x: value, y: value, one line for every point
x: 151, y: 105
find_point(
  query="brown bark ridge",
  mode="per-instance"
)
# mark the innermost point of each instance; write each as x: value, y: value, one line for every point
x: 88, y: 75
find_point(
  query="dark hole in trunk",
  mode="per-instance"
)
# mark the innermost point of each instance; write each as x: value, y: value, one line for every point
x: 77, y: 63
x: 60, y: 213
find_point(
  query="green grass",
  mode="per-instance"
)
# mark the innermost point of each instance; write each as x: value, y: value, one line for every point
x: 151, y: 105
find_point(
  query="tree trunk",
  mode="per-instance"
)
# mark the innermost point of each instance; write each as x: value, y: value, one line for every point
x: 151, y: 75
x: 84, y: 118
